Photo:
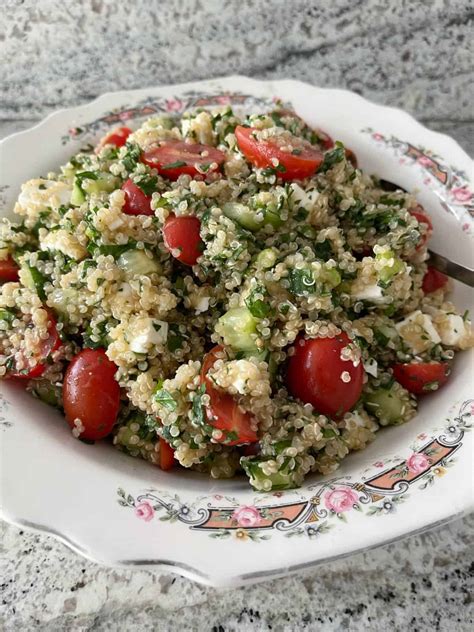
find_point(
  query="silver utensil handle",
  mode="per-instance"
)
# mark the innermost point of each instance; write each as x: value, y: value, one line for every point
x: 452, y: 269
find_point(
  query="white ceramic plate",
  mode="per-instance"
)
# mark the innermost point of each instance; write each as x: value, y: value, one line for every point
x: 122, y: 511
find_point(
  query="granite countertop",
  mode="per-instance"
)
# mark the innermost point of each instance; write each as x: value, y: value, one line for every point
x: 417, y: 56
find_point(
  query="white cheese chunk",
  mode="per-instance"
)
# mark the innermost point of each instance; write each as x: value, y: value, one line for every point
x: 452, y: 330
x: 38, y: 194
x: 65, y: 242
x: 371, y: 367
x: 301, y: 198
x: 372, y: 293
x: 147, y: 332
x: 418, y: 331
x: 202, y: 304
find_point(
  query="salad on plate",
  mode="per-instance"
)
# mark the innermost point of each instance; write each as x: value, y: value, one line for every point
x: 227, y: 294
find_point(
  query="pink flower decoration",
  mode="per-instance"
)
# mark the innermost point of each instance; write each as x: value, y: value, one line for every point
x: 278, y: 494
x: 73, y: 131
x: 224, y: 99
x: 174, y: 105
x: 340, y: 499
x: 124, y: 116
x: 417, y: 463
x: 462, y: 194
x: 422, y: 436
x: 247, y: 516
x: 144, y: 511
x: 378, y: 464
x: 218, y: 496
x: 377, y: 136
x: 425, y: 161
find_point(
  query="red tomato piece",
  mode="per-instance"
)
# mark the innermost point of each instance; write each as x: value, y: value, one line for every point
x: 419, y: 212
x: 326, y: 141
x: 173, y: 158
x: 183, y: 234
x: 433, y: 280
x: 223, y: 411
x: 298, y: 164
x: 136, y: 202
x: 47, y: 347
x: 117, y: 137
x: 351, y: 157
x: 8, y: 270
x: 420, y: 377
x: 316, y: 371
x: 91, y: 394
x: 166, y: 455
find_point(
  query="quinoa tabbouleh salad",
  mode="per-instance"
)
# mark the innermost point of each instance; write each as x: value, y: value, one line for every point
x: 227, y: 294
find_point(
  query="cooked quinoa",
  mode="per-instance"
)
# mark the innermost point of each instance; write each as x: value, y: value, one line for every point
x: 332, y: 254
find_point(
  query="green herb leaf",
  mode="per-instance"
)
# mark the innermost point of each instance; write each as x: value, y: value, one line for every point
x: 302, y: 282
x: 197, y: 410
x: 332, y: 157
x: 165, y: 399
x: 147, y: 184
x: 174, y: 165
x: 257, y: 306
x: 132, y: 157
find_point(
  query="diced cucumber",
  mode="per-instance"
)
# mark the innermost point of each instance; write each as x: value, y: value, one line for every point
x: 272, y: 217
x: 46, y: 392
x: 283, y: 479
x: 90, y: 182
x: 392, y: 265
x: 137, y: 262
x: 77, y: 195
x: 105, y: 182
x: 238, y: 328
x: 387, y: 405
x: 33, y: 279
x: 267, y: 258
x: 6, y: 315
x: 330, y: 276
x: 162, y: 121
x: 243, y: 215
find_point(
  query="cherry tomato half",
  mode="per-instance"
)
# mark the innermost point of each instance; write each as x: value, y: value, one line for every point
x: 182, y: 234
x: 317, y: 375
x: 117, y: 137
x: 419, y: 212
x: 8, y: 270
x: 298, y: 164
x: 91, y: 393
x: 172, y: 158
x: 46, y: 348
x: 223, y: 411
x: 433, y: 280
x: 136, y: 202
x: 166, y: 455
x: 351, y: 157
x: 422, y: 377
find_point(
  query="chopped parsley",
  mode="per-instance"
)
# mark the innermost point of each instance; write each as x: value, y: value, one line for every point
x: 164, y: 398
x: 332, y: 157
x: 302, y: 282
x: 147, y: 184
x: 174, y: 165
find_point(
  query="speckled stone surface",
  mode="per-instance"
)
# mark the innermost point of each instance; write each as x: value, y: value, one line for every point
x: 415, y: 55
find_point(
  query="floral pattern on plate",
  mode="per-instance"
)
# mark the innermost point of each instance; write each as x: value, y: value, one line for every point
x: 454, y: 182
x: 332, y: 500
x: 152, y: 105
